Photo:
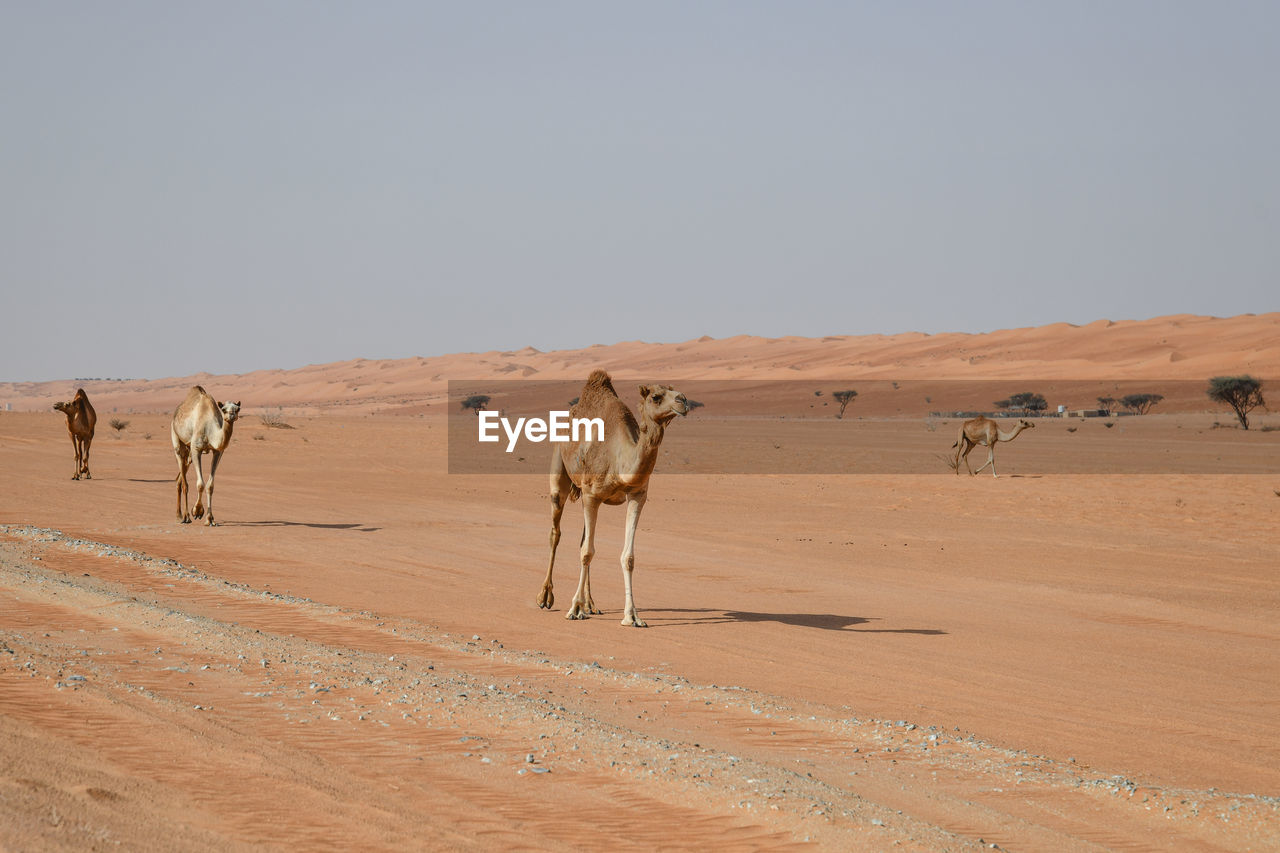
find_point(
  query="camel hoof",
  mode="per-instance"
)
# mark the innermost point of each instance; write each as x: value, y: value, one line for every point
x: 546, y: 598
x: 184, y: 520
x: 88, y: 476
x: 575, y: 613
x: 634, y: 623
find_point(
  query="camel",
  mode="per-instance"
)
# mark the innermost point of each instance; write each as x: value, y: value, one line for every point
x: 81, y: 419
x: 612, y: 472
x: 983, y: 431
x: 200, y: 425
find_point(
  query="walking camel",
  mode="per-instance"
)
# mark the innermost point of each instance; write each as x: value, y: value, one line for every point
x: 612, y: 472
x: 200, y: 425
x: 81, y: 419
x: 984, y: 431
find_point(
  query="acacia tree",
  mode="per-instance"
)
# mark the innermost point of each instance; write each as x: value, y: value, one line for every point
x: 1106, y: 403
x: 1025, y: 401
x: 477, y: 402
x: 1242, y: 393
x: 844, y: 398
x: 1140, y: 403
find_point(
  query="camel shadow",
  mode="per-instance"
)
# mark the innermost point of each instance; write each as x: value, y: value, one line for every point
x: 136, y: 480
x: 357, y: 527
x: 822, y: 621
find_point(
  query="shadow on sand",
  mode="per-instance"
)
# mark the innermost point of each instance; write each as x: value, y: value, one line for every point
x: 358, y: 527
x: 823, y: 621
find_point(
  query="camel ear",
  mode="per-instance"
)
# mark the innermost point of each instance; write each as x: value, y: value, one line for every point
x: 644, y: 391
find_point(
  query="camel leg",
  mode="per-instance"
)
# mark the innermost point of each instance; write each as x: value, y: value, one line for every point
x: 634, y: 504
x: 213, y: 469
x: 75, y: 448
x: 560, y: 486
x: 183, y: 456
x: 967, y: 450
x: 84, y: 458
x: 198, y: 512
x: 581, y: 607
x: 991, y: 460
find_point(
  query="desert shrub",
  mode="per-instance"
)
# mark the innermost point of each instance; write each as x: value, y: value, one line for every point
x: 117, y: 424
x: 271, y: 421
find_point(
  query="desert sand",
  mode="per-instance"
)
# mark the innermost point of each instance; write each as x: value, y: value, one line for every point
x: 1058, y: 659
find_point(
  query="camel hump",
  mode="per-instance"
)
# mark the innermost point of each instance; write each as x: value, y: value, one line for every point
x: 599, y: 379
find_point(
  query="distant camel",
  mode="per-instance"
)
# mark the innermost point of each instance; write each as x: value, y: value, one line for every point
x: 81, y: 419
x: 983, y: 431
x: 610, y: 471
x: 200, y: 425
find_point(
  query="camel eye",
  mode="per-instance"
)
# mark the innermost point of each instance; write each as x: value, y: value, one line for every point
x: 657, y: 398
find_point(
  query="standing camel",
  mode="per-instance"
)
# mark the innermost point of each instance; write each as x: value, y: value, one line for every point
x: 612, y: 471
x: 200, y: 425
x: 983, y: 431
x: 81, y: 419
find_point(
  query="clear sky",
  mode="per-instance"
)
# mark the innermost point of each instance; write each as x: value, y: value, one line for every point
x: 230, y: 186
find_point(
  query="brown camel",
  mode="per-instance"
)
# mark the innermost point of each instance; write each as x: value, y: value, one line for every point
x: 81, y: 419
x: 200, y: 425
x: 612, y: 471
x: 983, y: 431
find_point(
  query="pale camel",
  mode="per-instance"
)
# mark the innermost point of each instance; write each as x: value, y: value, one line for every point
x: 200, y: 425
x: 81, y: 419
x: 983, y: 431
x: 612, y: 471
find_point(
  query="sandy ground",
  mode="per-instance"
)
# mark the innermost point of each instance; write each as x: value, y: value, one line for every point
x: 873, y: 654
x: 354, y: 658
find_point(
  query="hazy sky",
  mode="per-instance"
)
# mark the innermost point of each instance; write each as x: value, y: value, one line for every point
x: 232, y: 186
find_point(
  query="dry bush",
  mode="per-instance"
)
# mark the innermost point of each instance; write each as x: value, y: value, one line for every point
x: 274, y: 422
x: 117, y: 424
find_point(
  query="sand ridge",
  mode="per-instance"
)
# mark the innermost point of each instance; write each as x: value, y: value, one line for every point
x: 1176, y: 347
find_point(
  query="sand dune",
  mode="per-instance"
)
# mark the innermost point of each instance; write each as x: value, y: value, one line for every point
x: 1180, y: 347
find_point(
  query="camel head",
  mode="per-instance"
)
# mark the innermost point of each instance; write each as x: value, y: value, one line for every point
x: 62, y: 407
x: 230, y: 411
x: 661, y: 403
x: 1026, y: 424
